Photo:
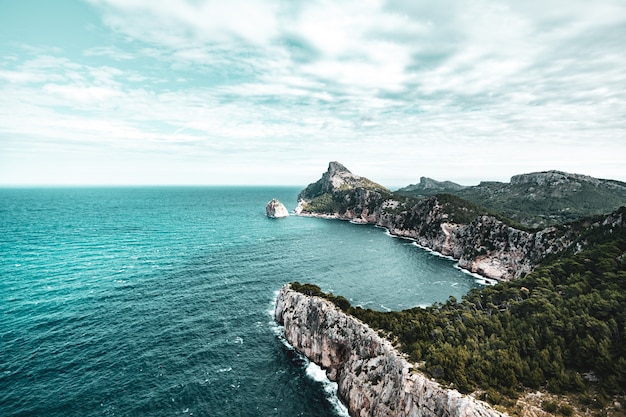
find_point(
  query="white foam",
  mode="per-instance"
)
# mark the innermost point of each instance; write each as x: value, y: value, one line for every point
x: 317, y: 374
x: 312, y: 370
x: 433, y: 252
x: 479, y: 278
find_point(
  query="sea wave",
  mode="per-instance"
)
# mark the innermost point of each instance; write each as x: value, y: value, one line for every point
x: 311, y: 369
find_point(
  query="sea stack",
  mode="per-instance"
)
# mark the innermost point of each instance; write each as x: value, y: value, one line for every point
x: 275, y: 209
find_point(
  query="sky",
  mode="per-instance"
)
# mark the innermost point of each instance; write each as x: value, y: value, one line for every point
x: 267, y: 92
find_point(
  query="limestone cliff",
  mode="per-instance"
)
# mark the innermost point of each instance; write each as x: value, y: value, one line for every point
x: 481, y: 242
x: 373, y: 378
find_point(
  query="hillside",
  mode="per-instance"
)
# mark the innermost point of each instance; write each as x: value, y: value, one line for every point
x: 561, y: 330
x: 481, y: 240
x: 537, y: 199
x: 555, y: 324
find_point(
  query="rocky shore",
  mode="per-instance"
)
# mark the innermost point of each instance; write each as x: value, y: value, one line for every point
x: 482, y: 243
x: 373, y: 378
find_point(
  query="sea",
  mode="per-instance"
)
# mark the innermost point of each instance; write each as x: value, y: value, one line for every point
x: 158, y: 301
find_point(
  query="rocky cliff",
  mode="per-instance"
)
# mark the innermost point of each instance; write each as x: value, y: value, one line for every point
x: 480, y: 241
x: 373, y: 378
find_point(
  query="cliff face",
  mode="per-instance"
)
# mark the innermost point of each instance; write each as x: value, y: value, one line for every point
x: 373, y: 378
x: 454, y: 227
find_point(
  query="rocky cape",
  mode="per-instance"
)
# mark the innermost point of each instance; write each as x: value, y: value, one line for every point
x: 480, y: 240
x: 373, y: 378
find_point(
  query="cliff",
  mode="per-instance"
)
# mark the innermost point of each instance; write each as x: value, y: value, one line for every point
x: 373, y: 378
x: 480, y: 241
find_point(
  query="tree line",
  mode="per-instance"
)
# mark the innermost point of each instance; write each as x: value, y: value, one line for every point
x: 562, y: 328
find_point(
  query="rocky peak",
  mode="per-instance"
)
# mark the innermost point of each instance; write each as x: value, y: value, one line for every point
x: 429, y: 186
x: 335, y: 168
x: 337, y: 178
x: 551, y: 178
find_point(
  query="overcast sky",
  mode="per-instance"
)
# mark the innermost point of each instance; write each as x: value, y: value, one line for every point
x: 270, y: 91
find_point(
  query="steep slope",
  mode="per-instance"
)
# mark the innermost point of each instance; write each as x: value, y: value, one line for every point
x: 340, y: 193
x: 373, y: 378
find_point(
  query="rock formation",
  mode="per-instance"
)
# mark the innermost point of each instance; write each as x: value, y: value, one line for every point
x: 373, y: 378
x: 275, y: 209
x: 481, y: 242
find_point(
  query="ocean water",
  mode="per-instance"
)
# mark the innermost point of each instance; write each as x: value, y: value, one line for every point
x: 157, y: 301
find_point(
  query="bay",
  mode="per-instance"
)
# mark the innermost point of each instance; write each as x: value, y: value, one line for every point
x: 156, y: 301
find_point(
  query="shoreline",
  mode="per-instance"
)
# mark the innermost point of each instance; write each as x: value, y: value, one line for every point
x: 482, y: 279
x: 373, y: 377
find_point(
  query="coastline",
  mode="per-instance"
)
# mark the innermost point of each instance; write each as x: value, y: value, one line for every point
x: 374, y: 379
x: 482, y: 279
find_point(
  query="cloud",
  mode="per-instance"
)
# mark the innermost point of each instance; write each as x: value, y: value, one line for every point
x: 412, y: 81
x: 174, y: 23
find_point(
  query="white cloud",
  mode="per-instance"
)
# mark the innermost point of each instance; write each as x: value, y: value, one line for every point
x: 174, y: 23
x: 444, y: 89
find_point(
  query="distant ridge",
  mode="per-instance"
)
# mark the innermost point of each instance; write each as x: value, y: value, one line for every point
x: 537, y: 199
x: 428, y: 186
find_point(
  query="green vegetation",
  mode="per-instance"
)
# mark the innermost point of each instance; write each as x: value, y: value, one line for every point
x: 548, y: 199
x: 324, y: 204
x: 314, y: 290
x: 457, y: 209
x: 562, y: 328
x: 347, y: 197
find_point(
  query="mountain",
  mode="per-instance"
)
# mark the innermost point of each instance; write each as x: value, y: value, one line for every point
x: 483, y: 241
x: 548, y: 339
x: 536, y: 199
x: 428, y: 186
x: 338, y: 191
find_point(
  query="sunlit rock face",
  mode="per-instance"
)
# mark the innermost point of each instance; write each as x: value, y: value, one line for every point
x: 373, y: 378
x: 275, y: 209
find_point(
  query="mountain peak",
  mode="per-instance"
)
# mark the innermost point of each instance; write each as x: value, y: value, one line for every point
x: 337, y: 178
x: 336, y: 167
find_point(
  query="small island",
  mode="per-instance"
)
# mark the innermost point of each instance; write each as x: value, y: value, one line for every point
x: 275, y: 209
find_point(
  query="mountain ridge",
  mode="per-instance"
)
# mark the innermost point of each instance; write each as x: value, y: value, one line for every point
x: 536, y: 199
x: 482, y: 240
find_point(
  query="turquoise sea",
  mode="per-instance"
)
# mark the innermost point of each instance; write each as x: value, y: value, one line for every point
x: 157, y: 301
